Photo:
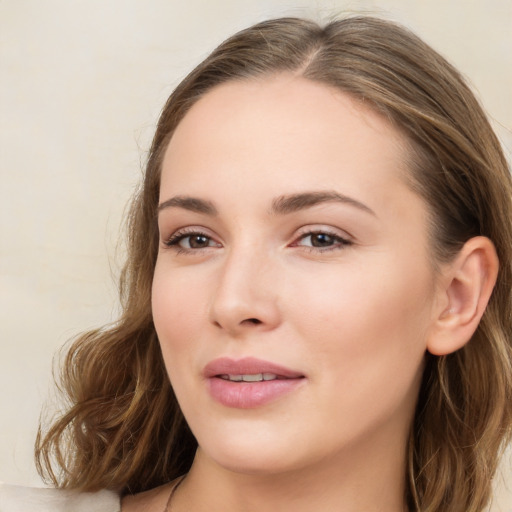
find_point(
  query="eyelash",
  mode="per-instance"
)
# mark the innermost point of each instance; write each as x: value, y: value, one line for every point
x: 338, y: 242
x: 174, y: 240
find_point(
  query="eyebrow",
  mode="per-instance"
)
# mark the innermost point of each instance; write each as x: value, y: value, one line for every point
x: 192, y: 204
x: 295, y: 202
x: 282, y: 205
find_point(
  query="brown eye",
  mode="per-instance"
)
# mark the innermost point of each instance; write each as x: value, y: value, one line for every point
x: 191, y: 241
x: 196, y: 241
x: 322, y: 240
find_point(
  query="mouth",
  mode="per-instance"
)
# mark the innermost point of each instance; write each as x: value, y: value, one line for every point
x: 249, y: 383
x: 255, y: 377
x: 248, y: 369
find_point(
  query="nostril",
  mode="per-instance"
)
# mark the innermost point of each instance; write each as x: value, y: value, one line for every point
x: 254, y: 321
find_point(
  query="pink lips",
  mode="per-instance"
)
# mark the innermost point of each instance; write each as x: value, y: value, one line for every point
x: 247, y: 395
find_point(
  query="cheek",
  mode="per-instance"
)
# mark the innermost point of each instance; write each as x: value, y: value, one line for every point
x: 177, y: 308
x: 363, y: 297
x: 367, y: 325
x: 369, y: 350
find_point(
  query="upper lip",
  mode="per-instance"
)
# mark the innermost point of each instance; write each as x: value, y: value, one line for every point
x: 247, y: 366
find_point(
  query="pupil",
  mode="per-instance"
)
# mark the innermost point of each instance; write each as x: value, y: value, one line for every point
x: 199, y: 241
x: 321, y: 240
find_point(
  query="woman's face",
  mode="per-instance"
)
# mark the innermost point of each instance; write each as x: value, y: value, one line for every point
x: 293, y: 291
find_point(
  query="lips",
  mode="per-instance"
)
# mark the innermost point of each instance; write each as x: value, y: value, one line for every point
x: 249, y: 382
x: 248, y: 366
x: 252, y: 377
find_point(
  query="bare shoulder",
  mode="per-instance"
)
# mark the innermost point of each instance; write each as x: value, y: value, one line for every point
x: 153, y: 500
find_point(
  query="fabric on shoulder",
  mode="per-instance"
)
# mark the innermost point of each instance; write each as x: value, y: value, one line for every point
x: 15, y: 498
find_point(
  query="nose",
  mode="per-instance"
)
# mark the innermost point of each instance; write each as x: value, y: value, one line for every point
x: 246, y: 297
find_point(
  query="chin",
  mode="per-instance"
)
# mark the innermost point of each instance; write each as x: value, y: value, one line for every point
x: 249, y: 464
x: 252, y: 454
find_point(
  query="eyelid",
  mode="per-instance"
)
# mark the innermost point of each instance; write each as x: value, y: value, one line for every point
x: 176, y: 236
x: 322, y: 228
x: 344, y: 239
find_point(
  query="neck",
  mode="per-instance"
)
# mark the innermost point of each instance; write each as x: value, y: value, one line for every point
x: 368, y: 482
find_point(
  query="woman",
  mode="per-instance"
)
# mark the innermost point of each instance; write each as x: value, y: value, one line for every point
x: 318, y: 290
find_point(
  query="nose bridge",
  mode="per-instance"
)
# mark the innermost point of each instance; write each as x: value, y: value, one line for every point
x: 245, y: 295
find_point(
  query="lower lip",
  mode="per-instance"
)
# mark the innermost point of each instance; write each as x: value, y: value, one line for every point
x: 248, y: 395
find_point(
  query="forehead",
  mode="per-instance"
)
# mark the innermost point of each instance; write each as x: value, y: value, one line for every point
x: 282, y: 129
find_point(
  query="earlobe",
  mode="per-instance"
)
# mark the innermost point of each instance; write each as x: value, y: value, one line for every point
x: 469, y: 281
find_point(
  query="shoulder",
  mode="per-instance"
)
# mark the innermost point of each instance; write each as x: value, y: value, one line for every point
x: 14, y: 498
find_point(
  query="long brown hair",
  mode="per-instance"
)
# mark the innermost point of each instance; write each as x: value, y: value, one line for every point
x: 123, y: 429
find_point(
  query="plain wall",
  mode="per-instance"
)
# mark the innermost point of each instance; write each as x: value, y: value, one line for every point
x: 81, y: 86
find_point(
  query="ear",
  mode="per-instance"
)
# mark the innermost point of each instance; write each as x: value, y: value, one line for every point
x: 465, y: 290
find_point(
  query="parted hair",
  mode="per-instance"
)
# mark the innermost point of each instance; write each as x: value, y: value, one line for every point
x: 122, y: 428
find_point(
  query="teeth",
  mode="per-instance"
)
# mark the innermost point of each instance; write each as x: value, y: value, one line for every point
x: 256, y: 377
x: 253, y: 378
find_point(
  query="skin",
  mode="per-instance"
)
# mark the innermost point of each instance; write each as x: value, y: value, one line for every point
x: 354, y: 316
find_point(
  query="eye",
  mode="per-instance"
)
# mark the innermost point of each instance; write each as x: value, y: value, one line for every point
x: 321, y: 240
x: 190, y: 241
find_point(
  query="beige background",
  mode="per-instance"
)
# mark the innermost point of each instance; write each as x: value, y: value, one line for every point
x: 81, y: 86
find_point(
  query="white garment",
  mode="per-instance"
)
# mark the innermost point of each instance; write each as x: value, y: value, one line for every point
x: 15, y: 498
